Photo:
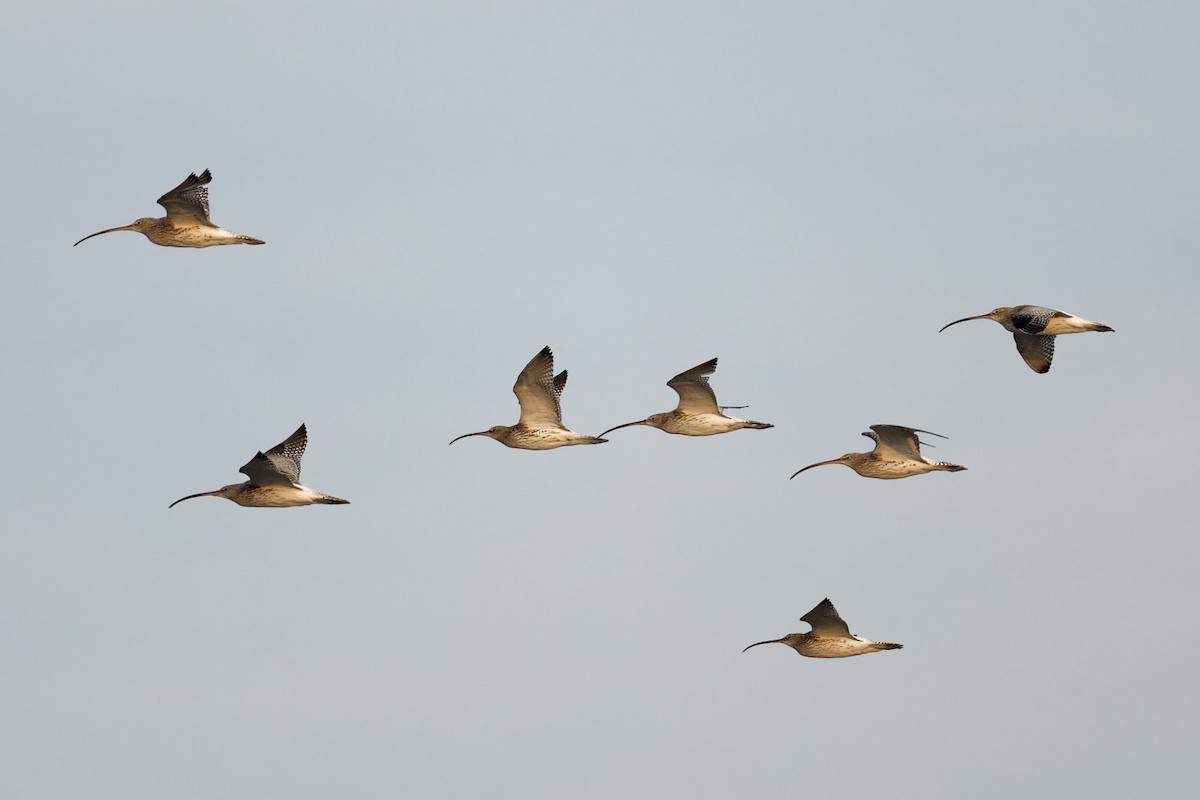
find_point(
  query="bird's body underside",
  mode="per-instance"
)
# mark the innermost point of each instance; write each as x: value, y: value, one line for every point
x: 704, y: 424
x: 186, y: 223
x: 250, y: 494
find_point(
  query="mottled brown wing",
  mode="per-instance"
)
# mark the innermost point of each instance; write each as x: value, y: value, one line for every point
x: 695, y: 395
x: 825, y: 620
x: 537, y: 391
x: 897, y: 442
x: 1038, y: 351
x: 279, y: 466
x: 187, y: 203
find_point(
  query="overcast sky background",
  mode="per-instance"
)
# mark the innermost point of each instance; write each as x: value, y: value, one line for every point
x: 808, y: 191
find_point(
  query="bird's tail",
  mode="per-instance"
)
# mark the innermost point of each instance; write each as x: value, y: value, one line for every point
x: 331, y: 501
x: 888, y: 646
x: 758, y: 426
x: 948, y: 467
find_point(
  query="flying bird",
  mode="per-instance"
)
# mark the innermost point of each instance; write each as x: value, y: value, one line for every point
x: 1034, y: 328
x: 274, y: 479
x: 540, y: 427
x: 186, y: 223
x: 697, y: 413
x: 897, y: 454
x: 830, y: 637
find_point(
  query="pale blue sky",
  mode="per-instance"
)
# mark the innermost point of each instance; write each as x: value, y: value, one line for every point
x: 808, y: 191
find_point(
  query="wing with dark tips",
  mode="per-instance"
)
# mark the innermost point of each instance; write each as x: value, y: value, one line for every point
x: 825, y: 620
x: 896, y: 442
x: 695, y: 395
x: 1033, y: 319
x: 537, y: 391
x: 1037, y: 351
x: 279, y: 466
x: 187, y: 203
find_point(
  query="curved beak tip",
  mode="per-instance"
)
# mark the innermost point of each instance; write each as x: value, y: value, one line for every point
x: 618, y: 427
x: 964, y: 319
x: 810, y: 466
x: 97, y: 233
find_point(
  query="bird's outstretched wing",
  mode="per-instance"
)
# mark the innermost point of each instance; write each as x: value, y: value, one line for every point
x: 825, y: 620
x: 187, y: 203
x: 898, y: 443
x: 537, y: 390
x: 1038, y: 351
x: 695, y: 395
x: 279, y: 466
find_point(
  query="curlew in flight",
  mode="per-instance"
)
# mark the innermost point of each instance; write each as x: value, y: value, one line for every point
x: 697, y: 413
x: 274, y: 479
x: 1034, y: 329
x: 897, y: 454
x: 830, y: 637
x: 540, y: 427
x: 186, y: 223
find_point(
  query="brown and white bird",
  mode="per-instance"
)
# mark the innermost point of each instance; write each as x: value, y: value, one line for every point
x: 540, y: 427
x: 697, y: 413
x: 1034, y: 328
x: 830, y: 637
x: 274, y: 479
x: 186, y: 223
x: 897, y: 454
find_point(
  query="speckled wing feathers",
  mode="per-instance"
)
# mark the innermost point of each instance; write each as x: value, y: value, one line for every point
x: 1038, y: 351
x: 898, y: 443
x: 695, y: 395
x: 825, y: 620
x: 187, y: 203
x: 279, y: 466
x: 538, y: 390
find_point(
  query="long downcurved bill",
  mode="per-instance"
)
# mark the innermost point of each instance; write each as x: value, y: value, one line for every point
x: 190, y: 496
x: 110, y: 230
x: 965, y: 319
x: 768, y: 641
x: 465, y: 435
x: 818, y: 464
x: 626, y: 425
